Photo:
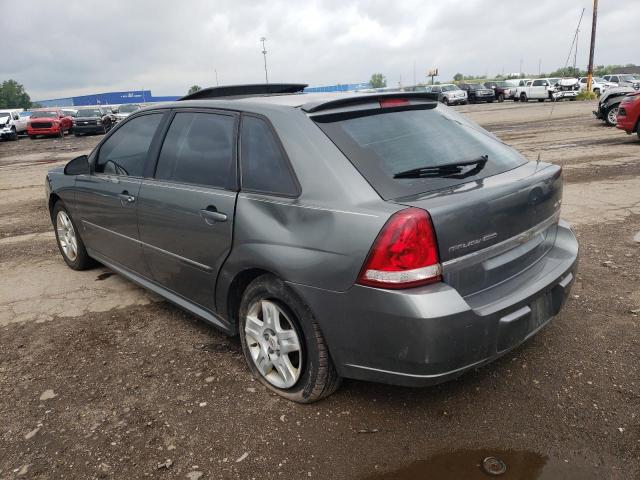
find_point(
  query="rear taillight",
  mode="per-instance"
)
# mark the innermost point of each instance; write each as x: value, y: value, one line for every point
x: 405, y: 254
x: 393, y: 102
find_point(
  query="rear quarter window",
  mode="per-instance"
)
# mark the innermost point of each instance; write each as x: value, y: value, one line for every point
x: 263, y: 164
x: 383, y: 144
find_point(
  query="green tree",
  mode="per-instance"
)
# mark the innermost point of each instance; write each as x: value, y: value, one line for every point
x: 12, y: 95
x: 458, y: 77
x: 194, y: 89
x: 378, y: 81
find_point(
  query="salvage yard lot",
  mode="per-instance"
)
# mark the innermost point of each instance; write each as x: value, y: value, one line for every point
x: 100, y: 379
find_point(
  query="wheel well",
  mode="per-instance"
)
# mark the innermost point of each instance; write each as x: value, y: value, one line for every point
x: 53, y: 199
x: 236, y: 290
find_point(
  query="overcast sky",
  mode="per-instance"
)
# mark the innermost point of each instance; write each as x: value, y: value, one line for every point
x: 74, y: 47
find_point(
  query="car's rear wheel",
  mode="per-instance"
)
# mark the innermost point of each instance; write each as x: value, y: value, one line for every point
x: 500, y: 98
x: 283, y: 344
x: 70, y: 244
x: 611, y: 115
x: 523, y: 97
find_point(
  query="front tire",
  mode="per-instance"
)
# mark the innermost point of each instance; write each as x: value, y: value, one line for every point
x: 283, y: 344
x: 523, y: 97
x: 69, y: 241
x: 611, y: 115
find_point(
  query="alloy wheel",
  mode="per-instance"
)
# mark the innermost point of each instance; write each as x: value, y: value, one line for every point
x: 274, y: 344
x: 612, y: 115
x: 67, y: 236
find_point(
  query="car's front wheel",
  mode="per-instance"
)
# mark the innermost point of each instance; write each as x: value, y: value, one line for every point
x: 611, y: 115
x: 283, y: 344
x: 70, y: 244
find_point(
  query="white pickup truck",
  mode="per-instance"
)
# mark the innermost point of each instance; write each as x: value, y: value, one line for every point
x: 542, y: 89
x: 12, y: 124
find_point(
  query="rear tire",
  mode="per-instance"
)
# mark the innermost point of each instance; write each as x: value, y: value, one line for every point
x: 269, y: 310
x: 523, y: 97
x: 501, y: 98
x: 68, y: 239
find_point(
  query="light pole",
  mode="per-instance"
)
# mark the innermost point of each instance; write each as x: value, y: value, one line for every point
x: 264, y: 53
x: 216, y: 70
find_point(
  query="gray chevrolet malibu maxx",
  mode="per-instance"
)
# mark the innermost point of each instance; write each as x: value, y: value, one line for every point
x: 381, y: 237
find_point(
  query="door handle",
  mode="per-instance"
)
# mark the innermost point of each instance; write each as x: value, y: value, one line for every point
x: 211, y: 215
x: 126, y: 198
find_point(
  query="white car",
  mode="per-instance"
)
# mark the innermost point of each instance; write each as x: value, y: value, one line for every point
x: 624, y: 80
x: 12, y: 124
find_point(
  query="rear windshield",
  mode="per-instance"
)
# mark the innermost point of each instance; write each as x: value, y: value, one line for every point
x: 90, y: 112
x: 384, y: 144
x: 129, y: 108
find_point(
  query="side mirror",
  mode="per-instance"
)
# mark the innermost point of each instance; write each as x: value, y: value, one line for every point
x: 78, y: 166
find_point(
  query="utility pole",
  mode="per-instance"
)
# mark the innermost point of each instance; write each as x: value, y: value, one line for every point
x: 264, y: 53
x: 539, y: 66
x: 216, y: 70
x: 593, y: 45
x: 521, y: 68
x: 414, y: 73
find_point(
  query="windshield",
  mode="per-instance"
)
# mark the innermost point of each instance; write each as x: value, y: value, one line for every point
x: 597, y: 80
x: 448, y: 88
x: 50, y: 114
x: 25, y: 114
x: 627, y: 78
x: 89, y: 112
x: 553, y: 80
x: 382, y: 145
x: 502, y: 84
x: 128, y: 108
x: 475, y: 86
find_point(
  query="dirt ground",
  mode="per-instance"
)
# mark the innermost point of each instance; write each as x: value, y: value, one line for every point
x: 100, y: 379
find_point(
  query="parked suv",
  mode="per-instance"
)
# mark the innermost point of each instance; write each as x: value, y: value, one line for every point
x: 448, y: 94
x: 609, y: 102
x: 381, y: 236
x: 624, y: 80
x: 477, y: 92
x: 92, y: 120
x: 125, y: 110
x: 502, y: 90
x: 51, y: 121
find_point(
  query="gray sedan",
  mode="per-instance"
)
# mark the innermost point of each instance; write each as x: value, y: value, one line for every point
x: 381, y: 237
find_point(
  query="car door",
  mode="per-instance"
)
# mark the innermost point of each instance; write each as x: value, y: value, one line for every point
x: 107, y: 198
x: 186, y: 210
x: 538, y: 89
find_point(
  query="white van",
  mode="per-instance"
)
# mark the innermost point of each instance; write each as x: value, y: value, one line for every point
x: 12, y: 124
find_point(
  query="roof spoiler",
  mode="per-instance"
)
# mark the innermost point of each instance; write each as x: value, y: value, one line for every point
x: 365, y: 98
x: 245, y: 90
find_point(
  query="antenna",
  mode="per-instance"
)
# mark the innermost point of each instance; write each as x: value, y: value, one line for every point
x: 264, y: 53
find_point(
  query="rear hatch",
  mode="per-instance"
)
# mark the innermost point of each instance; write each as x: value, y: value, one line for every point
x: 494, y: 213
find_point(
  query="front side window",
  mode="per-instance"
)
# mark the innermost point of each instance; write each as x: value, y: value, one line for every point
x: 199, y: 149
x: 125, y: 152
x: 263, y: 164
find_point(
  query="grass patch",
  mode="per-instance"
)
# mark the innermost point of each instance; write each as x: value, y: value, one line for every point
x: 584, y: 95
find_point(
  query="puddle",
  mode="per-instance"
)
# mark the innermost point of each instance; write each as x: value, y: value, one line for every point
x: 104, y: 276
x: 468, y: 465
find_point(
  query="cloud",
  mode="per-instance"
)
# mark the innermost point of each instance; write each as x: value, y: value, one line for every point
x: 78, y: 47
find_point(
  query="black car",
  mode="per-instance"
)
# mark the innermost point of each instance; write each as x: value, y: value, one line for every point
x: 477, y: 92
x: 92, y: 120
x: 502, y: 90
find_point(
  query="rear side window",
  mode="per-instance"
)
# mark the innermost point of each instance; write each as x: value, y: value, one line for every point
x: 263, y: 164
x: 198, y: 149
x: 125, y: 152
x: 381, y: 145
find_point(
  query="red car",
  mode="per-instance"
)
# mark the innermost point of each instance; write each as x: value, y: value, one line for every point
x: 629, y: 114
x: 50, y: 121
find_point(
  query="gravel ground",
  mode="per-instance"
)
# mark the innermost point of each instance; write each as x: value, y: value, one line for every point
x: 100, y: 379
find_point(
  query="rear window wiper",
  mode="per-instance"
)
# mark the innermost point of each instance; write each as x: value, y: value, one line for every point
x: 447, y: 170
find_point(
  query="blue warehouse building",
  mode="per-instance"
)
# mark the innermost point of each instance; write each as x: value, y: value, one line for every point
x: 145, y: 96
x: 109, y: 98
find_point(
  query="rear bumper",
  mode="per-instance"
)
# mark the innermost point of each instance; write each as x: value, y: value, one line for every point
x: 424, y: 336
